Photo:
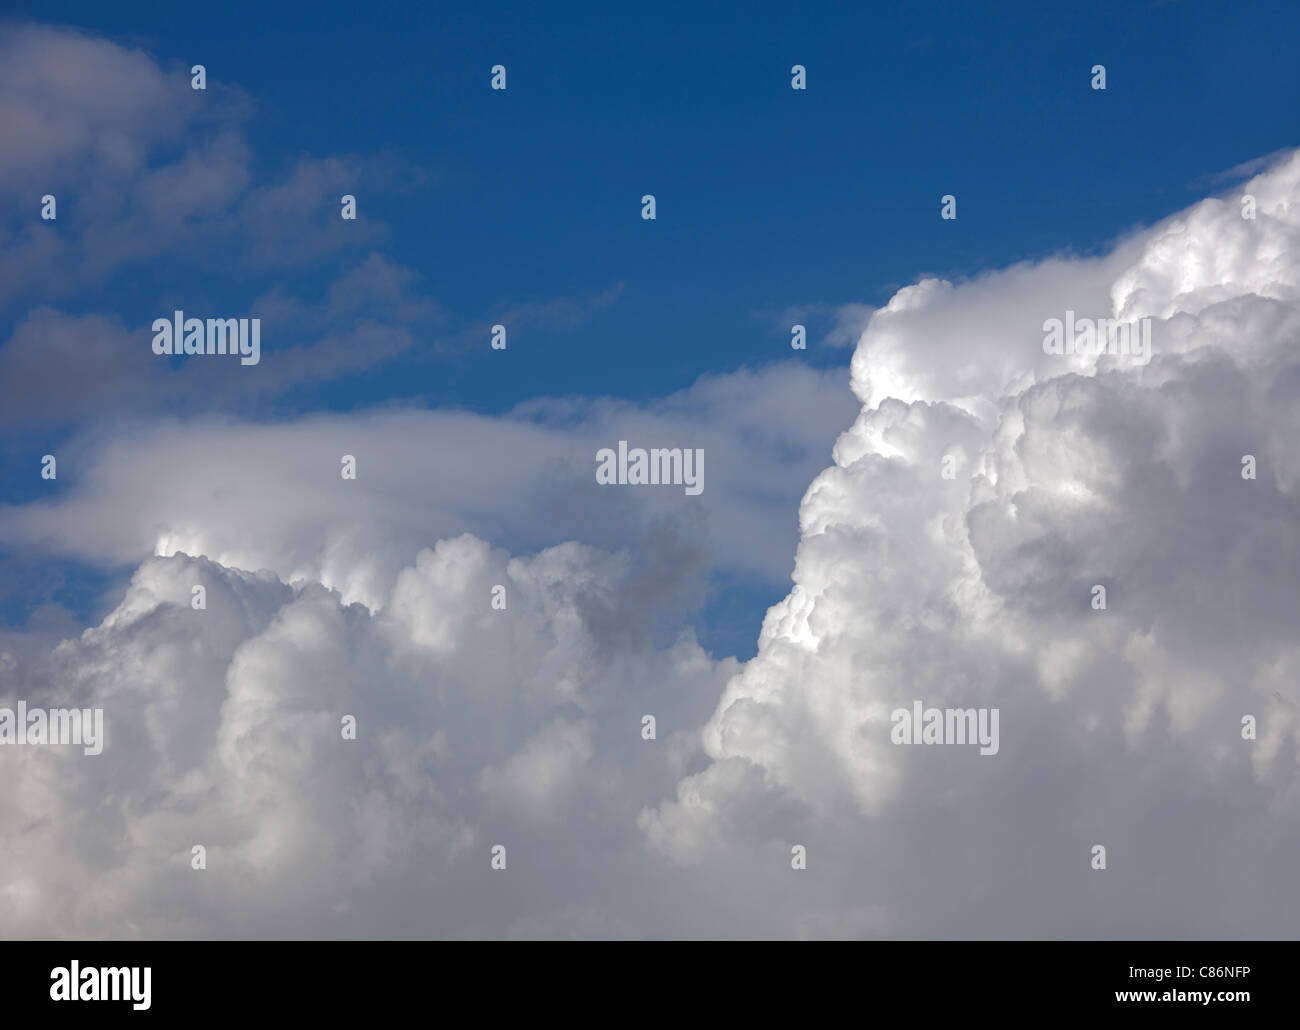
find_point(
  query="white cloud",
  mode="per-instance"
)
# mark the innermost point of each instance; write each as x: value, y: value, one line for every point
x: 1119, y: 727
x: 223, y: 726
x: 258, y: 495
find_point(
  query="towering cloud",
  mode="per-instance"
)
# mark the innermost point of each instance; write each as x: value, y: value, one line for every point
x: 1121, y: 727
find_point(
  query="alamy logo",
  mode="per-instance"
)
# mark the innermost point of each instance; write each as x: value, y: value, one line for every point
x: 84, y: 726
x: 921, y: 725
x: 655, y: 467
x: 181, y: 335
x: 1095, y: 337
x: 121, y: 983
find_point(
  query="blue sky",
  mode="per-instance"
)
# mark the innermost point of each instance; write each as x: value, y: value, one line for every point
x: 768, y: 199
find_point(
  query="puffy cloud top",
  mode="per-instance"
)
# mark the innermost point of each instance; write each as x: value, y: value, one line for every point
x: 1120, y: 727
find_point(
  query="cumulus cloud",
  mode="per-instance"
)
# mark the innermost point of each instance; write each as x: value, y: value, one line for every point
x: 1119, y: 727
x: 474, y: 727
